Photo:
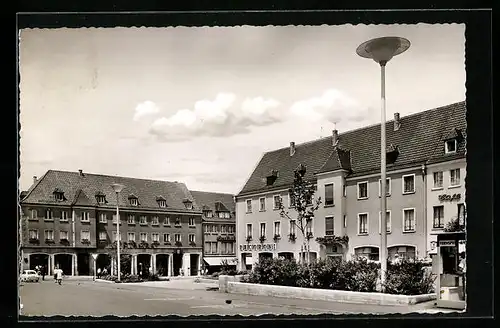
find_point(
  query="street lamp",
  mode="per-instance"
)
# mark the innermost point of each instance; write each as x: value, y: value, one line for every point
x: 381, y: 50
x: 117, y: 188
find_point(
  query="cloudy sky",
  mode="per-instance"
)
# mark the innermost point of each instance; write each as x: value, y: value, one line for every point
x: 201, y: 105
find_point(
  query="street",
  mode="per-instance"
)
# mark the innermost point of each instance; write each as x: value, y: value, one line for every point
x: 183, y: 298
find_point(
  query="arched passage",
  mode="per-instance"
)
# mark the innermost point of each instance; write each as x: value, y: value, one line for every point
x: 39, y: 259
x: 143, y: 263
x: 162, y: 264
x: 125, y: 263
x: 286, y: 255
x: 264, y: 256
x: 103, y: 261
x: 64, y: 262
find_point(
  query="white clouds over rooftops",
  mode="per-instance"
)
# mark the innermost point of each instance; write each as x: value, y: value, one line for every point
x: 144, y: 109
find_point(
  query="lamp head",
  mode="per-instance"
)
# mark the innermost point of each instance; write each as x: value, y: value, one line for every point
x: 383, y: 49
x: 117, y: 187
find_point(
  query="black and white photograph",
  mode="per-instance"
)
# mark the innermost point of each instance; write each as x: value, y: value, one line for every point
x: 244, y: 170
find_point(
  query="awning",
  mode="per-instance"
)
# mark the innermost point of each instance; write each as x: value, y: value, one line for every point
x: 216, y: 261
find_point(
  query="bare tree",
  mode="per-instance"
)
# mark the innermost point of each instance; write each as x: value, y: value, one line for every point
x: 304, y: 205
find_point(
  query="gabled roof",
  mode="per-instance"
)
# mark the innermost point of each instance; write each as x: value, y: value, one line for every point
x: 420, y: 139
x: 216, y: 202
x: 80, y: 190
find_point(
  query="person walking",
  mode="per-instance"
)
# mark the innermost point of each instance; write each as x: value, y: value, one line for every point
x: 59, y: 275
x: 99, y: 273
x: 462, y: 267
x: 43, y: 272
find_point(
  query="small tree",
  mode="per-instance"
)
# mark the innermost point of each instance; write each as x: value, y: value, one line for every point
x: 303, y: 202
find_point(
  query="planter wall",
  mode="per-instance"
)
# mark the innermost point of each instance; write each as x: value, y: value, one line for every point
x: 229, y: 285
x: 225, y: 279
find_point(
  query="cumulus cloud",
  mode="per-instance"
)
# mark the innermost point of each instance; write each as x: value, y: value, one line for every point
x: 332, y: 106
x: 219, y: 117
x: 145, y: 108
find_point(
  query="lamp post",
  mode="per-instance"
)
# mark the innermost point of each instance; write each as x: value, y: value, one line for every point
x: 381, y: 50
x: 117, y: 188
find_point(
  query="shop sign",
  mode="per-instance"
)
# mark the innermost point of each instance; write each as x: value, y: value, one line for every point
x: 449, y: 198
x: 446, y: 243
x: 257, y: 247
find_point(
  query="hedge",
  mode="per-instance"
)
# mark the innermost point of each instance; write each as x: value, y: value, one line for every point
x: 360, y: 275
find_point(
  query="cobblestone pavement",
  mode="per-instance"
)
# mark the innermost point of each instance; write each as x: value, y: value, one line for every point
x: 183, y: 298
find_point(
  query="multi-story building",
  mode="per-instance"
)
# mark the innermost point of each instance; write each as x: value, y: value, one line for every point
x: 69, y: 220
x: 219, y: 228
x: 345, y: 169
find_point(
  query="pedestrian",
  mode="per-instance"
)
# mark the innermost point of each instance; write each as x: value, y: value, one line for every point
x: 462, y: 267
x: 59, y: 275
x: 98, y: 273
x: 43, y: 272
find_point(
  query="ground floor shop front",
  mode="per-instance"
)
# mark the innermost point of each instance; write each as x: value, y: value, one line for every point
x: 85, y: 262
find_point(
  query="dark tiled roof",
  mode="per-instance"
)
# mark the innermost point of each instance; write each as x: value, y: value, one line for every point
x: 213, y: 201
x: 81, y: 190
x: 420, y: 138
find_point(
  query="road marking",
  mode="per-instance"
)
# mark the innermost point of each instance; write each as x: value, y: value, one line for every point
x: 169, y: 299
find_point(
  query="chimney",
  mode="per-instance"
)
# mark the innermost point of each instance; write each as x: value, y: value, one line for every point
x: 397, y: 123
x: 335, y: 137
x: 80, y: 172
x: 35, y: 179
x: 292, y: 148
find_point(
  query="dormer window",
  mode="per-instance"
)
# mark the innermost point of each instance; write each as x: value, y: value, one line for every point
x: 188, y: 204
x: 270, y: 179
x: 101, y: 198
x: 392, y: 154
x: 162, y: 202
x: 208, y: 214
x: 134, y: 201
x: 450, y: 146
x: 59, y: 195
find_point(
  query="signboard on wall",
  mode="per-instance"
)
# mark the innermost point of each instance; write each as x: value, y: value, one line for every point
x: 258, y: 247
x: 449, y: 198
x: 446, y: 243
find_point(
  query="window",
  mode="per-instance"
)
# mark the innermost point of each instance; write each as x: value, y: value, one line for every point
x: 155, y: 237
x: 309, y: 228
x: 49, y: 234
x: 143, y: 220
x: 115, y: 221
x: 177, y: 222
x: 277, y: 228
x: 103, y: 218
x: 262, y: 204
x: 64, y: 216
x: 276, y: 202
x: 223, y: 215
x: 450, y: 146
x: 345, y: 221
x: 131, y: 219
x: 155, y: 220
x: 223, y: 229
x: 166, y: 221
x: 162, y: 203
x: 131, y: 236
x: 262, y: 230
x: 362, y: 190
x: 166, y: 237
x: 438, y: 179
x: 134, y: 201
x: 85, y: 217
x: 461, y: 214
x: 344, y: 190
x: 189, y: 205
x: 329, y: 230
x: 292, y: 227
x: 101, y: 199
x: 209, y: 214
x: 438, y: 219
x: 230, y: 229
x: 214, y: 248
x: 408, y: 184
x: 454, y: 177
x: 369, y: 253
x: 114, y: 236
x: 363, y: 223
x: 34, y: 214
x: 143, y: 236
x: 192, y: 222
x: 329, y: 194
x: 59, y: 196
x: 249, y: 206
x: 177, y: 237
x: 34, y: 234
x: 206, y: 228
x: 249, y: 230
x: 85, y: 235
x: 207, y: 247
x: 230, y: 247
x: 387, y: 187
x: 102, y: 235
x: 48, y: 214
x: 63, y: 235
x: 409, y: 220
x: 387, y: 219
x: 191, y: 238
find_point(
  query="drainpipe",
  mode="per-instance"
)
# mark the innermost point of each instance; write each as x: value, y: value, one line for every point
x: 424, y: 180
x: 73, y: 226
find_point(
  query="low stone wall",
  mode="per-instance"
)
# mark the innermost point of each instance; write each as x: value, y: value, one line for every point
x: 229, y: 285
x: 224, y: 280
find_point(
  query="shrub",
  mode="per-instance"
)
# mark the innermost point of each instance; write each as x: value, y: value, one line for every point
x: 275, y: 272
x: 153, y: 277
x: 131, y: 278
x: 409, y: 277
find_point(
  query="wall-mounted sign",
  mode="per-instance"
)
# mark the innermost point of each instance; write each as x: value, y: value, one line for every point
x: 257, y: 247
x: 446, y: 243
x: 449, y: 198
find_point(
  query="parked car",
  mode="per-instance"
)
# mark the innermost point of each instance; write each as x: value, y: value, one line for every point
x: 30, y: 276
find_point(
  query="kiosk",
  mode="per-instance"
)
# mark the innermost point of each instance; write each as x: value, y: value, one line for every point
x: 450, y: 282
